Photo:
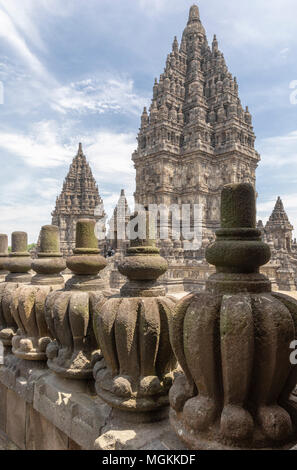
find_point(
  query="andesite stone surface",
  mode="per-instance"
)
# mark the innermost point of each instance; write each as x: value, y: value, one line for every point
x: 233, y: 344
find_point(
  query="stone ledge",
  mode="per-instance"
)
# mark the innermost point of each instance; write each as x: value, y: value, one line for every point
x: 56, y: 413
x: 69, y: 405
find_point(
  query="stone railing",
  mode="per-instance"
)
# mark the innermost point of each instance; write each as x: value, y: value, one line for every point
x: 85, y: 368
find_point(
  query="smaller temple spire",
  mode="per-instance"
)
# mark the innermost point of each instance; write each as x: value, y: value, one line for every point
x: 194, y: 14
x: 215, y: 44
x: 175, y: 45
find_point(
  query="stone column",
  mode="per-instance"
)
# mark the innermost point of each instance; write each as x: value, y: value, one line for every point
x: 33, y: 335
x: 18, y: 265
x: 133, y: 333
x: 3, y: 256
x: 69, y: 312
x: 233, y: 343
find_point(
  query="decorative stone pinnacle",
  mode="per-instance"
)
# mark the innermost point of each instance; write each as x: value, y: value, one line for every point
x: 50, y: 263
x: 238, y: 251
x: 19, y: 244
x: 138, y: 363
x: 49, y: 241
x: 143, y: 264
x: 238, y: 206
x: 19, y: 261
x: 69, y: 311
x: 3, y: 245
x: 231, y: 395
x: 28, y: 304
x: 86, y: 240
x: 86, y: 260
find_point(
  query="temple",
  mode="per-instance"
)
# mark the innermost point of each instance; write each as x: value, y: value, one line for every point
x: 278, y: 233
x: 79, y: 199
x: 195, y: 138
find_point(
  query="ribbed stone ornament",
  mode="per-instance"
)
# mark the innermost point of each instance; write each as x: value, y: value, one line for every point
x: 18, y: 266
x: 3, y: 256
x: 233, y: 344
x: 132, y: 330
x: 69, y: 311
x: 28, y: 306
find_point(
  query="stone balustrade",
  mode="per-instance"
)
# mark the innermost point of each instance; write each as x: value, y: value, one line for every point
x: 232, y: 388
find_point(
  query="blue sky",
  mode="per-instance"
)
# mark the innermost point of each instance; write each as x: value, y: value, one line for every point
x: 82, y: 70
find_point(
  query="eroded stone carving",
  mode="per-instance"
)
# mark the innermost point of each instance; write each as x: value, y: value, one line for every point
x: 28, y: 304
x: 133, y: 333
x: 69, y: 311
x: 18, y: 265
x: 233, y: 343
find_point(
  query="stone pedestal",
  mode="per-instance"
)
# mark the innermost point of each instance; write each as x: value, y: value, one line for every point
x: 18, y: 265
x: 137, y: 368
x: 28, y: 307
x: 233, y: 344
x: 69, y: 312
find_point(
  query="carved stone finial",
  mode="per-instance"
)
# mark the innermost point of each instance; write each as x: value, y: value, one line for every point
x: 238, y: 251
x: 18, y: 265
x: 133, y: 333
x: 232, y: 394
x: 28, y: 304
x: 69, y: 311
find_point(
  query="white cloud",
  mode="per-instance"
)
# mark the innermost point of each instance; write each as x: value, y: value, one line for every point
x: 10, y: 33
x: 99, y: 95
x: 110, y: 155
x: 24, y: 217
x: 279, y: 151
x: 39, y: 148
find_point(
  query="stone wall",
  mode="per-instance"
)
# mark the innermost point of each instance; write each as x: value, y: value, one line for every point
x: 41, y: 411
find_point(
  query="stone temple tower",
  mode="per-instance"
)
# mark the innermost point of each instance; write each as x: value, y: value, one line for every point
x: 79, y: 199
x: 278, y: 229
x: 196, y: 136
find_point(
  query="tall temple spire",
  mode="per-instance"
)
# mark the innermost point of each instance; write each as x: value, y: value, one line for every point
x: 79, y: 199
x: 196, y: 136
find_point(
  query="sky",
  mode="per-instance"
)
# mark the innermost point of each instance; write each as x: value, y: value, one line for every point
x: 81, y: 71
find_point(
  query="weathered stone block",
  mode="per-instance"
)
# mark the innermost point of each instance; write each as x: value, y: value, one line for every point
x: 69, y: 406
x: 16, y: 410
x: 43, y: 435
